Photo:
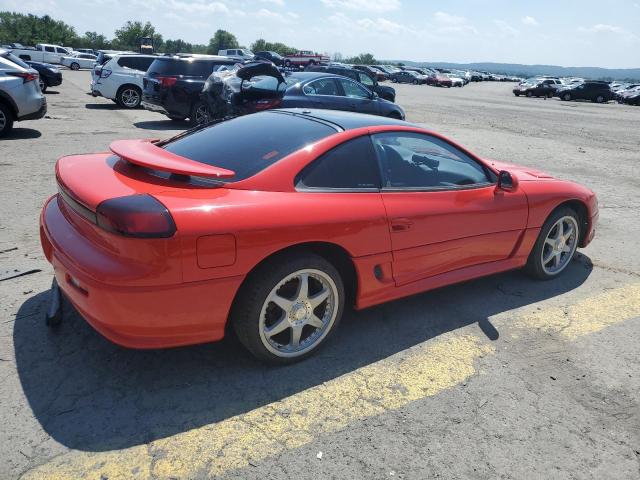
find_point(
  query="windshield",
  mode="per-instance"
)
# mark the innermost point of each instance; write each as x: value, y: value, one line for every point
x: 226, y: 144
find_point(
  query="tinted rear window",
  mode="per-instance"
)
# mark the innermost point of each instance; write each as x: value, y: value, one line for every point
x: 251, y: 143
x: 16, y: 60
x: 136, y: 63
x: 190, y: 68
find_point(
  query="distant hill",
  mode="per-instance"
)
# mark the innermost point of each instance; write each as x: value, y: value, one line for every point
x: 594, y: 73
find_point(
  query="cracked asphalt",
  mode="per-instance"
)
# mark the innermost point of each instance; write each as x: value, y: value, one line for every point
x: 502, y: 377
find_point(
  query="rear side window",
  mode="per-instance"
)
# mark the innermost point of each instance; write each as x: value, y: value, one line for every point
x: 136, y: 63
x: 16, y: 60
x: 189, y: 68
x: 49, y: 49
x: 352, y: 165
x: 251, y: 143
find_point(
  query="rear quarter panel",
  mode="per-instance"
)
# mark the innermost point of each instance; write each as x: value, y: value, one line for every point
x: 263, y: 223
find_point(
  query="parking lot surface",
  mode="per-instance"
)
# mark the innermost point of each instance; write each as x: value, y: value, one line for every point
x: 502, y: 377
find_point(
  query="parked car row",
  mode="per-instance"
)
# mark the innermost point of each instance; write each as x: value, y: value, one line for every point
x: 200, y: 88
x: 21, y: 97
x: 628, y: 93
x: 568, y: 89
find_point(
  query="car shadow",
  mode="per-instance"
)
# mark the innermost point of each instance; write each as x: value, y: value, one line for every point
x: 89, y: 394
x: 22, y: 134
x: 101, y: 106
x: 51, y: 92
x: 162, y: 124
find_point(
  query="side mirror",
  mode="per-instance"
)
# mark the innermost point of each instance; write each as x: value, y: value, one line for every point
x: 507, y: 182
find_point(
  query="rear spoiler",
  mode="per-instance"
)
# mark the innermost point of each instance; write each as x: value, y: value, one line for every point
x: 146, y: 154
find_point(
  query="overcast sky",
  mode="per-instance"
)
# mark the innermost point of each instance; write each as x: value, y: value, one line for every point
x: 560, y: 32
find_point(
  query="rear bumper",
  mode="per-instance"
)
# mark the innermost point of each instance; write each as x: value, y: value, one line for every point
x: 149, y: 104
x: 41, y: 112
x: 141, y: 317
x: 53, y: 80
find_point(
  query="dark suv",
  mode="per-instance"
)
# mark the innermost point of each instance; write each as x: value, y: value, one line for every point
x: 384, y: 92
x: 598, y: 92
x: 172, y: 85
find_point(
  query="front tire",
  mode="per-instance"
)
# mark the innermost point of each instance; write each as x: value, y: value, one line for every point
x: 74, y: 66
x: 556, y: 245
x: 288, y: 307
x: 566, y: 97
x: 600, y: 99
x: 43, y: 84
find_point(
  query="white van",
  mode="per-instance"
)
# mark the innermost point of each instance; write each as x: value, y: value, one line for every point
x: 240, y: 54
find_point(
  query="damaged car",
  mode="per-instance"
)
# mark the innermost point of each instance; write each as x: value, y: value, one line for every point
x: 261, y: 86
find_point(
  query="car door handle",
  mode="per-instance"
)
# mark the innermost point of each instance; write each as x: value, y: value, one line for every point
x: 401, y: 224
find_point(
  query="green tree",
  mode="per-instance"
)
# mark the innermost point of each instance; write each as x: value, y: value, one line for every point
x: 222, y: 40
x: 31, y: 29
x: 362, y: 59
x: 177, y: 46
x: 262, y: 45
x: 128, y: 37
x: 93, y: 40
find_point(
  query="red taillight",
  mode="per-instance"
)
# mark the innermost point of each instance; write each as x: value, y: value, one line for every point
x: 26, y: 76
x: 167, y: 81
x: 139, y: 216
x: 267, y: 104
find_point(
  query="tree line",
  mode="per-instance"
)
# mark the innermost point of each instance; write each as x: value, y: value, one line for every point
x: 29, y: 29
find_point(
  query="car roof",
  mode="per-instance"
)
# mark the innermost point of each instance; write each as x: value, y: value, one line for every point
x: 346, y: 120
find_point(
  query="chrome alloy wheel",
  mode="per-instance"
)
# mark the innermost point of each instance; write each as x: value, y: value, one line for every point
x: 201, y: 114
x: 130, y: 98
x: 298, y: 313
x: 560, y: 245
x: 43, y: 85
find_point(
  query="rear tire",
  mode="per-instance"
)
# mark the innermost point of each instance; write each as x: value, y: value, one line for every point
x: 529, y: 94
x: 551, y: 243
x: 199, y: 113
x: 6, y: 120
x: 297, y: 315
x: 74, y: 66
x: 43, y: 84
x: 599, y: 99
x: 566, y: 97
x: 129, y: 97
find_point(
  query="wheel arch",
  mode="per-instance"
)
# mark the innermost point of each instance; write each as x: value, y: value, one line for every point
x: 335, y: 254
x: 8, y: 101
x: 125, y: 85
x: 582, y: 210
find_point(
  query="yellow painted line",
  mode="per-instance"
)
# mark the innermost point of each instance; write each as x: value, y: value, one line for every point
x: 421, y: 371
x: 391, y: 383
x: 589, y: 315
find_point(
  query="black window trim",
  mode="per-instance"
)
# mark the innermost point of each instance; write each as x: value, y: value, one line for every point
x: 299, y: 187
x: 490, y: 175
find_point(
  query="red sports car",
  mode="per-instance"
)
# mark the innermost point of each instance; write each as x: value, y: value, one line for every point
x: 271, y: 222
